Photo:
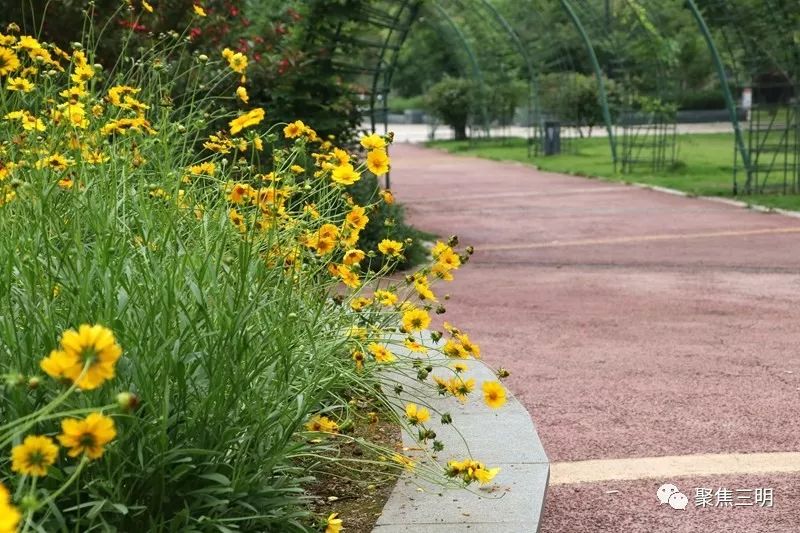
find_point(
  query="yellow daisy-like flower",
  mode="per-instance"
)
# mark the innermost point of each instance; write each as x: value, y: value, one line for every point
x: 333, y: 524
x: 9, y: 62
x: 387, y: 196
x: 386, y: 298
x: 322, y: 424
x: 34, y: 456
x: 390, y: 248
x: 459, y: 367
x: 251, y: 118
x: 414, y: 346
x: 416, y: 414
x: 87, y: 356
x: 378, y: 162
x: 198, y: 10
x: 353, y: 257
x: 416, y: 320
x: 19, y: 84
x: 294, y: 129
x: 345, y: 174
x: 146, y: 6
x: 380, y: 353
x: 357, y: 218
x: 236, y: 60
x: 493, y: 394
x: 9, y: 515
x: 360, y: 303
x: 373, y: 142
x: 241, y: 93
x: 88, y: 436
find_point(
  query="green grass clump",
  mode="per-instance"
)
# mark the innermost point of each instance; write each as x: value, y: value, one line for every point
x: 242, y: 336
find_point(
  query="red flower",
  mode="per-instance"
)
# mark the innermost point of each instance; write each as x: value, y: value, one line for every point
x: 195, y: 33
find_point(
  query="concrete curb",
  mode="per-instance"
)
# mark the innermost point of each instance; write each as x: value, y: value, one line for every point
x: 504, y: 438
x: 720, y: 200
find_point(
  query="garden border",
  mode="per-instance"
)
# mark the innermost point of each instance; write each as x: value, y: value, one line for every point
x: 504, y: 438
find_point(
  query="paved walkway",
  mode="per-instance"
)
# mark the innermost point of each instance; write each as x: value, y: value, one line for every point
x: 636, y: 324
x: 422, y: 132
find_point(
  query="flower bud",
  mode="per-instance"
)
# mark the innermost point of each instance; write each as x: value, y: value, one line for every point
x: 127, y: 401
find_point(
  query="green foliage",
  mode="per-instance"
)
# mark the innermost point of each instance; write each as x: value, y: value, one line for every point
x: 573, y: 98
x: 704, y: 169
x: 454, y: 101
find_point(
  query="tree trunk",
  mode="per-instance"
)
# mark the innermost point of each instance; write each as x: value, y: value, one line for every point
x: 460, y: 131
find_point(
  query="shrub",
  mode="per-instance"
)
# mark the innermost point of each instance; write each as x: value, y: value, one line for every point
x: 453, y: 100
x: 195, y: 333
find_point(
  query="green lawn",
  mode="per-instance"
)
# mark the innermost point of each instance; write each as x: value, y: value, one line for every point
x: 704, y: 168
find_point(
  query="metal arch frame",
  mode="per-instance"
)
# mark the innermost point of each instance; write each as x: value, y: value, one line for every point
x: 413, y: 9
x: 726, y: 93
x: 533, y: 75
x: 473, y: 60
x: 601, y: 88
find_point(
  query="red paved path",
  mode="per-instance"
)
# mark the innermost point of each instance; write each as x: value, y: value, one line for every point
x: 657, y: 325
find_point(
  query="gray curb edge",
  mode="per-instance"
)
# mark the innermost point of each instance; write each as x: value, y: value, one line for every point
x: 504, y: 438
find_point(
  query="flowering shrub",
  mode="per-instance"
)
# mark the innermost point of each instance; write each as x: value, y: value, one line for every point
x: 187, y: 335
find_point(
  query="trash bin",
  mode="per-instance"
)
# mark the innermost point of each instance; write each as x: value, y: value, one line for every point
x: 552, y: 138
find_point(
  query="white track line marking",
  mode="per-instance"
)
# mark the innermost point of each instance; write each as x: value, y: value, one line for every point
x: 666, y: 468
x: 639, y: 238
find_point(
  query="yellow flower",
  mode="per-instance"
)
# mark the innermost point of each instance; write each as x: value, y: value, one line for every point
x: 88, y: 436
x: 386, y: 298
x: 387, y: 196
x: 356, y: 218
x: 470, y: 347
x: 9, y: 515
x: 460, y: 388
x: 294, y: 129
x: 416, y: 320
x: 236, y: 60
x: 147, y: 7
x: 373, y: 142
x: 493, y: 394
x: 454, y: 349
x: 82, y: 74
x: 237, y: 220
x: 345, y: 174
x: 54, y: 162
x: 414, y: 346
x: 358, y: 357
x: 241, y: 92
x: 423, y: 289
x: 353, y: 257
x: 34, y: 456
x: 407, y: 463
x: 322, y: 424
x: 378, y: 162
x: 9, y: 62
x: 334, y: 524
x: 390, y: 248
x: 19, y: 84
x: 87, y: 356
x: 449, y: 259
x: 347, y: 276
x: 459, y: 367
x: 470, y: 470
x: 416, y: 414
x: 360, y: 303
x: 442, y: 272
x: 251, y: 118
x: 380, y: 353
x: 200, y: 12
